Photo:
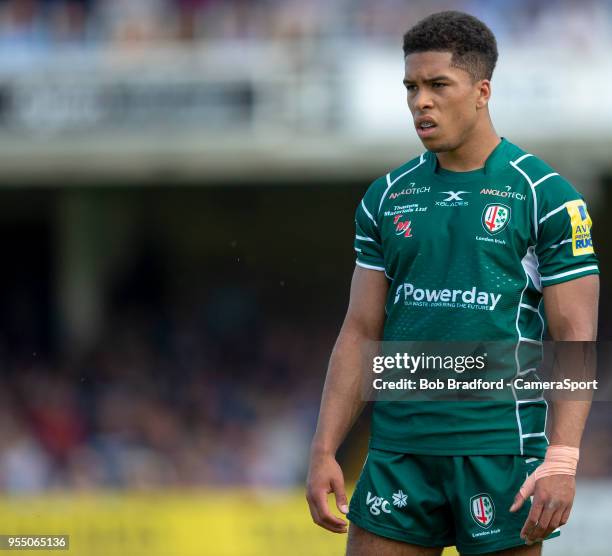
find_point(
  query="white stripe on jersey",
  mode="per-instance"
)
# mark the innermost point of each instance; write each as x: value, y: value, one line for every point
x: 554, y: 211
x: 370, y: 266
x: 514, y: 164
x: 552, y: 174
x: 391, y: 182
x: 570, y: 272
x: 364, y: 238
x: 368, y: 213
x: 554, y: 246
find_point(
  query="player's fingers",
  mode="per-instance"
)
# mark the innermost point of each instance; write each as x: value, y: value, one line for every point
x: 326, y: 522
x: 537, y: 533
x: 555, y: 521
x: 326, y: 518
x: 340, y: 493
x: 524, y: 492
x: 313, y: 509
x: 546, y: 516
x: 565, y: 515
x: 532, y: 519
x: 518, y: 502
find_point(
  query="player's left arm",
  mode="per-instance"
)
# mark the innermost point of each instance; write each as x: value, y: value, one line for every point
x: 571, y: 312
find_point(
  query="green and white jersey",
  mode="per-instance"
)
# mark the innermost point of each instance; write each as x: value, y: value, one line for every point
x: 467, y: 255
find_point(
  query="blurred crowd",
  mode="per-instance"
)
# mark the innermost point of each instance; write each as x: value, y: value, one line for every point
x: 43, y: 24
x: 163, y: 402
x: 215, y: 393
x: 183, y: 403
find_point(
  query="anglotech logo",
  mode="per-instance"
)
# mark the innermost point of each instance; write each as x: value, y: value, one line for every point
x: 412, y: 190
x: 446, y: 297
x: 507, y: 194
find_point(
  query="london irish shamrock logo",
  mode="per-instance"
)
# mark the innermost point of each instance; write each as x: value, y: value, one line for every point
x: 495, y: 218
x: 482, y: 510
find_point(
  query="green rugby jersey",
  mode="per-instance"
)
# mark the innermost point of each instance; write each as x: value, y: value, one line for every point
x: 467, y: 255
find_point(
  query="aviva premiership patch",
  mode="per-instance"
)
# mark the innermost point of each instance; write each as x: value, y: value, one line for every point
x: 482, y: 510
x: 581, y: 227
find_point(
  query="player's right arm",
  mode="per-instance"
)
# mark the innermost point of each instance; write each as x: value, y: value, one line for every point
x: 342, y: 399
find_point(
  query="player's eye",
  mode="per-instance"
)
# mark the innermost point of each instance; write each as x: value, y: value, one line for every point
x: 410, y: 88
x: 438, y: 85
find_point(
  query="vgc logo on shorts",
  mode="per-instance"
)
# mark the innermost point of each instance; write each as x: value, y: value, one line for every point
x: 377, y: 504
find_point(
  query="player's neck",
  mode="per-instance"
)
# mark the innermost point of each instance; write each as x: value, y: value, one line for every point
x: 472, y: 154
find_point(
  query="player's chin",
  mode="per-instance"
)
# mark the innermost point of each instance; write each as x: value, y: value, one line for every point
x: 437, y: 144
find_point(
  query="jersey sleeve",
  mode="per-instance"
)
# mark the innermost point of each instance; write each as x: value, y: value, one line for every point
x: 368, y: 243
x: 564, y: 245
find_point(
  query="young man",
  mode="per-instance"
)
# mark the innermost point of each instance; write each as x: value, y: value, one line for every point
x: 493, y: 232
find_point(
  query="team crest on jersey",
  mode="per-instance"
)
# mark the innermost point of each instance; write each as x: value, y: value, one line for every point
x: 582, y: 243
x: 402, y: 227
x: 482, y: 510
x: 495, y: 218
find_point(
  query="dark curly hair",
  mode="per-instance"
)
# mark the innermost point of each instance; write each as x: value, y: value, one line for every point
x: 470, y: 41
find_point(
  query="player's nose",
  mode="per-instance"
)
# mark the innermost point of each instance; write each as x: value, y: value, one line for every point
x: 422, y: 100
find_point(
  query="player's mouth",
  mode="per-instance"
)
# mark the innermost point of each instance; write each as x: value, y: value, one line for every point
x: 425, y: 127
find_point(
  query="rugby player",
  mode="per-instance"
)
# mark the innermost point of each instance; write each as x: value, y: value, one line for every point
x: 474, y: 239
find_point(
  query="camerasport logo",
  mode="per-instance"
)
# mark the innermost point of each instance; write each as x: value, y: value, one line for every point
x: 482, y: 510
x: 402, y: 227
x: 376, y: 504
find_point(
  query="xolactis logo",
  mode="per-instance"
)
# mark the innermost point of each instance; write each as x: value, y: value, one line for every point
x: 446, y: 297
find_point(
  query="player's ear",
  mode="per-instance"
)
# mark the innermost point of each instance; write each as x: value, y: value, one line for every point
x: 484, y: 93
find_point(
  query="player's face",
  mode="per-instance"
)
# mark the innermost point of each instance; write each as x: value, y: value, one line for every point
x: 443, y: 100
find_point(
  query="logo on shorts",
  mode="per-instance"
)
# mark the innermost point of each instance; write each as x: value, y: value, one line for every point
x: 482, y: 510
x: 376, y: 504
x: 495, y: 218
x: 400, y: 499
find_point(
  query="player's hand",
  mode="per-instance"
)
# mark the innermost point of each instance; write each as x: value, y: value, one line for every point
x: 325, y: 476
x: 552, y: 502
